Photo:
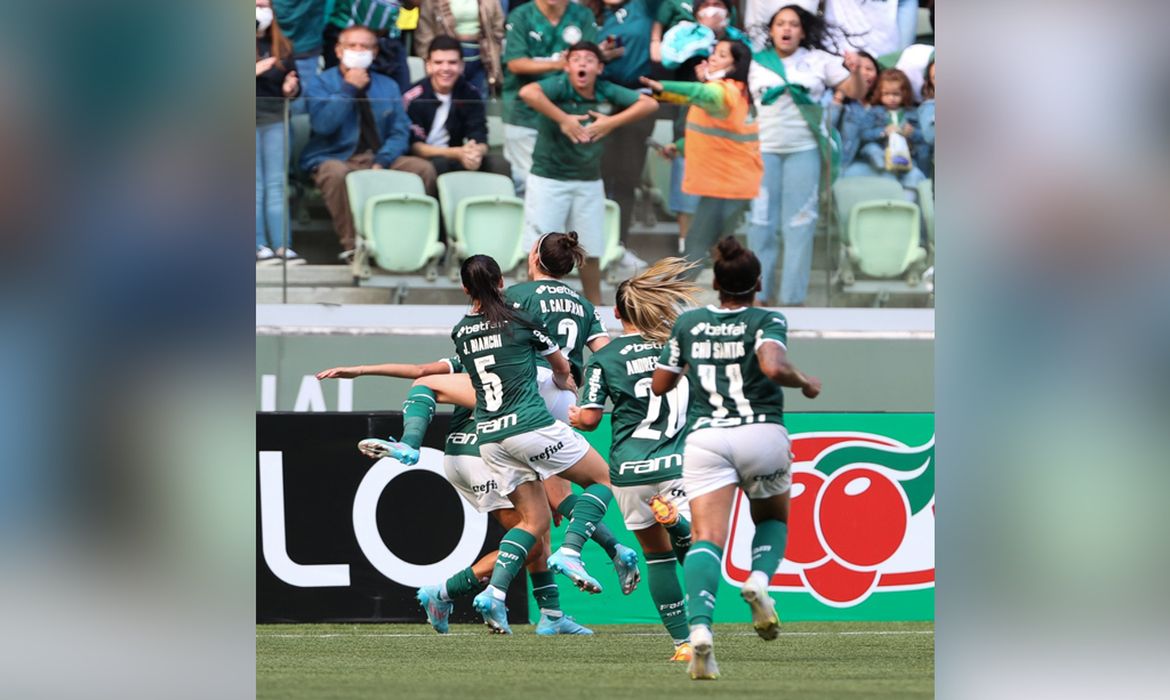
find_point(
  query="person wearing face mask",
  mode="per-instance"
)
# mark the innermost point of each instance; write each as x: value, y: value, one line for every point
x: 357, y: 122
x: 565, y: 190
x: 448, y: 126
x: 721, y: 145
x: 801, y: 151
x: 380, y: 17
x: 276, y: 83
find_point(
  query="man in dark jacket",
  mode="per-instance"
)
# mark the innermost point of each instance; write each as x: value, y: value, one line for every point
x: 448, y: 125
x: 357, y: 122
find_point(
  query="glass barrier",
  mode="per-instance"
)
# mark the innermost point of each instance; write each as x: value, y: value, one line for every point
x: 398, y: 236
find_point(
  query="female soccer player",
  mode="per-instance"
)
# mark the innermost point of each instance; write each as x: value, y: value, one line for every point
x: 519, y: 439
x: 471, y: 477
x: 735, y: 357
x: 645, y: 464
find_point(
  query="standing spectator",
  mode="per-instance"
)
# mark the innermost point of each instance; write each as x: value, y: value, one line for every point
x: 448, y: 126
x: 479, y: 27
x: 756, y: 14
x: 380, y: 17
x: 925, y: 157
x: 276, y: 83
x: 565, y: 190
x: 907, y: 22
x: 538, y: 33
x: 788, y: 81
x: 721, y: 144
x: 358, y: 122
x: 848, y: 116
x: 893, y: 111
x: 627, y: 24
x: 303, y: 21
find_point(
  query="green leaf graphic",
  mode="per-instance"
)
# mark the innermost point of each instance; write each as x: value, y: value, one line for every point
x: 919, y: 488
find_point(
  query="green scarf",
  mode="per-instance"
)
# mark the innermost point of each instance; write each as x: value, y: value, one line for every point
x: 828, y: 139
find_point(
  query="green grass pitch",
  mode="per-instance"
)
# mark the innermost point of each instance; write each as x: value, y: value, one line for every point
x: 809, y: 660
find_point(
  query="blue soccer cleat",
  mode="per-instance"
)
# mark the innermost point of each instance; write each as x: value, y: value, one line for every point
x: 495, y: 614
x: 437, y: 609
x: 564, y: 624
x: 570, y: 565
x: 625, y: 562
x: 377, y: 449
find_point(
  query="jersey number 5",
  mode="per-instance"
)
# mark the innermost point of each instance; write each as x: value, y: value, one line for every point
x: 493, y: 388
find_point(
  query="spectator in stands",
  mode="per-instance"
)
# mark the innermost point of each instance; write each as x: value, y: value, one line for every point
x: 302, y: 22
x: 538, y: 33
x: 847, y: 115
x: 670, y: 13
x: 357, y: 122
x: 276, y: 83
x: 479, y: 27
x: 893, y: 111
x: 788, y: 80
x: 924, y: 157
x: 721, y: 143
x: 756, y: 14
x: 380, y: 17
x: 565, y: 191
x: 627, y: 24
x: 448, y: 126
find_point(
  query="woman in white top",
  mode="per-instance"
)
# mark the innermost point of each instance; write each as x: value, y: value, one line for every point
x: 788, y: 79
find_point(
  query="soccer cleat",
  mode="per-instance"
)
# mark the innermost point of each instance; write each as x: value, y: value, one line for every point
x: 495, y: 615
x: 702, y: 666
x: 683, y: 652
x: 377, y: 449
x: 625, y: 562
x: 665, y: 512
x: 570, y: 565
x: 564, y: 624
x: 437, y: 609
x: 764, y: 617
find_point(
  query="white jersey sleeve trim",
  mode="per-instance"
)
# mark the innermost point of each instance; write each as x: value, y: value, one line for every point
x: 761, y: 341
x: 602, y: 334
x: 591, y: 405
x: 450, y: 367
x: 668, y: 368
x: 546, y: 353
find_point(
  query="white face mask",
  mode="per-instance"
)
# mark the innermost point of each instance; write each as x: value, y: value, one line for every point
x: 357, y: 59
x: 717, y: 75
x: 263, y: 18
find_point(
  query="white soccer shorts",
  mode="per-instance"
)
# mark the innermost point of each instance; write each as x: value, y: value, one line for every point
x: 756, y: 457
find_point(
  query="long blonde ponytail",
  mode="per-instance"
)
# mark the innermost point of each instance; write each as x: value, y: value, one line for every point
x: 652, y: 299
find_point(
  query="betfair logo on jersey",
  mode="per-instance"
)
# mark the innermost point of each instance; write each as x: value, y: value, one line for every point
x: 546, y: 452
x: 488, y: 342
x: 557, y: 289
x: 649, y: 466
x: 707, y: 422
x: 639, y: 347
x: 710, y: 329
x: 641, y: 365
x: 473, y: 328
x: 485, y: 487
x: 562, y: 306
x: 496, y: 425
x: 462, y: 438
x: 717, y: 350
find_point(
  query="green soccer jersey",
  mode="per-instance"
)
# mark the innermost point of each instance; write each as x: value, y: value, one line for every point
x: 461, y: 438
x: 531, y: 35
x: 648, y: 433
x: 555, y: 156
x: 718, y: 349
x: 569, y: 317
x: 501, y: 361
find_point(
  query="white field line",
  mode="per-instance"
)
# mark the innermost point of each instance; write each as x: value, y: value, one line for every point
x: 855, y: 633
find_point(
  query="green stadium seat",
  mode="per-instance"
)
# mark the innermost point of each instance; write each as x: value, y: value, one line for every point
x: 488, y: 225
x: 417, y: 68
x: 613, y: 232
x: 882, y: 239
x: 657, y: 171
x: 926, y: 204
x: 849, y: 191
x: 397, y: 223
x: 455, y: 186
x: 495, y: 131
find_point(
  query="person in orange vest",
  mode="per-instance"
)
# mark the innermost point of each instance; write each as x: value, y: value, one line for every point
x: 721, y: 142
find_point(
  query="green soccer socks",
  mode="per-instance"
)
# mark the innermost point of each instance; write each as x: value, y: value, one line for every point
x: 667, y: 594
x: 701, y: 571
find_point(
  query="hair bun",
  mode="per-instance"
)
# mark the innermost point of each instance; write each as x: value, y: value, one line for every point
x: 572, y: 236
x: 729, y: 248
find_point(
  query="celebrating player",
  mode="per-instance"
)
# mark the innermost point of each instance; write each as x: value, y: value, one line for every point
x: 466, y: 471
x: 519, y: 439
x: 645, y: 463
x: 736, y: 356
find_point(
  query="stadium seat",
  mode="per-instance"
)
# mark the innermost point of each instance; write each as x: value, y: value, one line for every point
x: 417, y: 68
x: 926, y: 204
x: 458, y: 185
x: 613, y: 231
x: 882, y: 239
x: 488, y: 225
x: 848, y: 191
x: 495, y: 131
x: 397, y: 223
x: 657, y: 171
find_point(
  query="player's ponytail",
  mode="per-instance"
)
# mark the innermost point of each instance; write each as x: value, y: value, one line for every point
x: 652, y: 299
x: 737, y: 270
x: 557, y: 253
x: 481, y: 278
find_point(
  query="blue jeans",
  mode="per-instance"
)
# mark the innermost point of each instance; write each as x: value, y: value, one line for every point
x: 680, y: 202
x: 272, y: 226
x: 907, y: 22
x: 473, y: 68
x: 786, y: 208
x: 714, y: 218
